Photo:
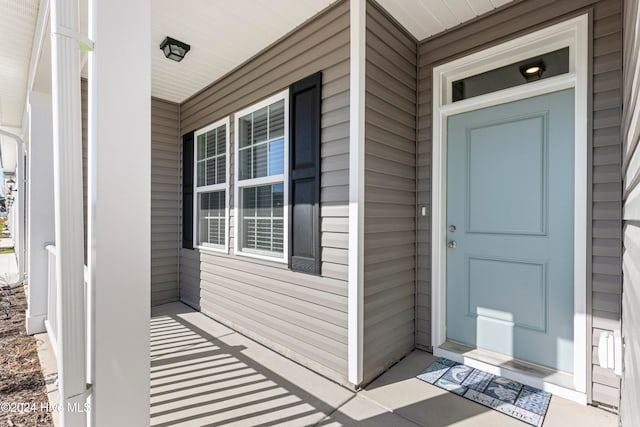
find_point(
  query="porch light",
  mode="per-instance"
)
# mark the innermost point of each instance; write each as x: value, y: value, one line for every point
x: 174, y: 49
x: 533, y: 70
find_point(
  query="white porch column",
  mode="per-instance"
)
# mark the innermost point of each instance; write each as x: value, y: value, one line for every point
x: 67, y: 163
x: 40, y: 223
x: 120, y: 210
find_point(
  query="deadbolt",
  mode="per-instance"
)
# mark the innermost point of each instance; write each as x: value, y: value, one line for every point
x: 452, y: 244
x: 452, y: 228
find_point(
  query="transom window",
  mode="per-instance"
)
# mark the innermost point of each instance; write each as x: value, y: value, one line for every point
x: 261, y: 173
x: 211, y: 186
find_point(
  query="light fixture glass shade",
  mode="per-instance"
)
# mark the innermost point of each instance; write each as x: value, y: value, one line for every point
x: 174, y: 49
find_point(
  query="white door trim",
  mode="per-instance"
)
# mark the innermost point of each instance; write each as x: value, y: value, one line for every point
x: 573, y: 33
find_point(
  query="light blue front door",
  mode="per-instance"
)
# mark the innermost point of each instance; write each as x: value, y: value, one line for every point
x: 510, y: 195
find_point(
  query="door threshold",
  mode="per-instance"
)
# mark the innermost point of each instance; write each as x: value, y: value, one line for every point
x: 551, y: 380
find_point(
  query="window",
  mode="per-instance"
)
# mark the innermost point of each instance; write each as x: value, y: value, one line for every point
x: 211, y: 188
x: 261, y: 178
x: 550, y: 64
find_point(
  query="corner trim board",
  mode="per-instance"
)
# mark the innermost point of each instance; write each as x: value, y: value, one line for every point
x: 355, y: 321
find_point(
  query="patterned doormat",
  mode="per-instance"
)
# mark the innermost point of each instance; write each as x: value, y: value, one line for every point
x: 519, y: 401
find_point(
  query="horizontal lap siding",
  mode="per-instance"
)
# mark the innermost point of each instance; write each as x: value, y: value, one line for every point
x: 606, y: 189
x: 390, y: 198
x: 300, y: 315
x: 165, y: 201
x: 605, y: 194
x: 629, y: 409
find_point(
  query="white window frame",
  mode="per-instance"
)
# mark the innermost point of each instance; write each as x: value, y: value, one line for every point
x: 265, y: 180
x: 209, y: 188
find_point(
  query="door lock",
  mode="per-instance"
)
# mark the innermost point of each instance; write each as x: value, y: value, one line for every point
x: 452, y: 228
x: 452, y: 244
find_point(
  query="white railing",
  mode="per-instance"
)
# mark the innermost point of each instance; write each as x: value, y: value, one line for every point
x: 51, y: 323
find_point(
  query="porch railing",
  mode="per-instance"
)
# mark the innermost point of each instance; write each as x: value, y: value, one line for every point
x: 51, y: 323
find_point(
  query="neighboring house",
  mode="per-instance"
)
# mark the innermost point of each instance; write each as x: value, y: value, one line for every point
x: 371, y: 183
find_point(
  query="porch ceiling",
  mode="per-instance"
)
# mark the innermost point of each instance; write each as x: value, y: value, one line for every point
x: 425, y: 18
x: 222, y: 36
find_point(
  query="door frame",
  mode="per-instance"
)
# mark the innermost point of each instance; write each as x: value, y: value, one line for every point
x: 573, y: 33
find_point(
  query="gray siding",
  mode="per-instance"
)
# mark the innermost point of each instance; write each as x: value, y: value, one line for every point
x: 165, y: 201
x: 630, y: 411
x: 301, y: 315
x: 605, y: 194
x: 390, y: 193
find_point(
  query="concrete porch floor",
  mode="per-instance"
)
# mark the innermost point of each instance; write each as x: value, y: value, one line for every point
x: 203, y: 373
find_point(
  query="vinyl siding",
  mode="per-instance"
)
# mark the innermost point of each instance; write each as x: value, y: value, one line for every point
x: 165, y: 201
x: 604, y: 289
x: 629, y: 409
x: 302, y: 316
x: 390, y: 197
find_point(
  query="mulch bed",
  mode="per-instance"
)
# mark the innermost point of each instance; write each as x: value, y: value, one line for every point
x: 23, y: 396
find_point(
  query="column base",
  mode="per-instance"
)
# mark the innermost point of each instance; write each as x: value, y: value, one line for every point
x: 35, y: 324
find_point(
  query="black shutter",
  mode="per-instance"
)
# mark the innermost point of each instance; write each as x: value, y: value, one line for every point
x: 304, y: 174
x: 187, y: 191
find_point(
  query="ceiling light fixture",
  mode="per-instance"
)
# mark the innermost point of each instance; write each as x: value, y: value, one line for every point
x: 174, y: 49
x: 533, y: 70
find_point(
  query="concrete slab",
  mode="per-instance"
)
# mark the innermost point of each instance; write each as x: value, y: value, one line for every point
x: 9, y: 266
x: 49, y: 368
x: 400, y: 392
x: 203, y: 373
x: 6, y: 243
x: 360, y: 411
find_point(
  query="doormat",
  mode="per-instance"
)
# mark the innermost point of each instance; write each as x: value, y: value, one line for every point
x: 527, y: 404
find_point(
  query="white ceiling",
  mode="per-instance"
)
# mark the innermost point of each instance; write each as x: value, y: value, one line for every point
x: 222, y: 34
x: 424, y: 18
x: 17, y: 27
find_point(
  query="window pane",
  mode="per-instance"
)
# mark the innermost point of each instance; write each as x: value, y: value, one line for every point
x: 211, y: 218
x: 201, y: 175
x: 244, y: 125
x: 260, y: 125
x: 211, y: 143
x: 261, y: 142
x: 245, y: 162
x: 221, y: 172
x: 211, y: 157
x: 276, y: 157
x: 262, y: 219
x: 202, y: 139
x: 210, y: 166
x: 276, y: 120
x: 222, y: 141
x: 549, y: 65
x: 260, y: 166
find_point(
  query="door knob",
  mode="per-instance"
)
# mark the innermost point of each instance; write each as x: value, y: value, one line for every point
x: 452, y: 244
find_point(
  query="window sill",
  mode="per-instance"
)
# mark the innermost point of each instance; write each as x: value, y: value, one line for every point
x: 278, y: 260
x: 212, y: 249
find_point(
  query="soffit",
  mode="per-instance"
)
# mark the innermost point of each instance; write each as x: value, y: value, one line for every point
x: 425, y: 18
x: 222, y: 35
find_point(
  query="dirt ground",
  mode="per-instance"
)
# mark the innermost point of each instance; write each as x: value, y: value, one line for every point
x: 23, y: 398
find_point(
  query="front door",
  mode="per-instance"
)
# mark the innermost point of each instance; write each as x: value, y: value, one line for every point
x: 510, y: 215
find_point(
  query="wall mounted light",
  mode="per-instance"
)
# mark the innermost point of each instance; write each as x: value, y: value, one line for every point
x: 533, y: 70
x: 174, y: 49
